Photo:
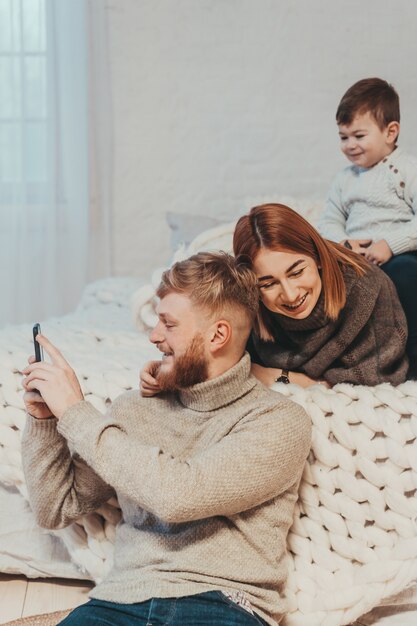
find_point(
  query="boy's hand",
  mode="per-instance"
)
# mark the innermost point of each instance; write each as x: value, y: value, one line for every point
x: 55, y: 381
x: 378, y: 253
x: 148, y: 384
x: 357, y: 245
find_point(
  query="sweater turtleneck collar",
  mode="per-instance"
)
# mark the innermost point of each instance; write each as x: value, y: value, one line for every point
x: 220, y: 391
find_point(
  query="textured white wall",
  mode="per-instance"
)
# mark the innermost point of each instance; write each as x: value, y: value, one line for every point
x: 221, y: 103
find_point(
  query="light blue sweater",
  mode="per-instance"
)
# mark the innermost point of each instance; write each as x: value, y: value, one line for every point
x: 376, y: 203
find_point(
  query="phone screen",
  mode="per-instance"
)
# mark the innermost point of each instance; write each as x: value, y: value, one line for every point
x: 36, y: 345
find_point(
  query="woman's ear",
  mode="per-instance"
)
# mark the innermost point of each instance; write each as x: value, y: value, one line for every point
x: 221, y: 333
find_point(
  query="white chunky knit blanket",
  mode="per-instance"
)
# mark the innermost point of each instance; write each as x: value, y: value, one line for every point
x: 353, y: 542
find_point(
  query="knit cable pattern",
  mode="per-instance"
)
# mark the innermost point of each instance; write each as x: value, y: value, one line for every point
x: 354, y: 537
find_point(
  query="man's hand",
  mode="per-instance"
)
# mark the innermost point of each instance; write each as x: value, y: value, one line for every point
x: 357, y: 245
x: 148, y: 384
x: 56, y: 382
x: 267, y: 376
x: 378, y: 253
x: 34, y: 402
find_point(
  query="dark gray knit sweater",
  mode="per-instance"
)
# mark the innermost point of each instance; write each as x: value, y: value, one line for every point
x: 364, y: 346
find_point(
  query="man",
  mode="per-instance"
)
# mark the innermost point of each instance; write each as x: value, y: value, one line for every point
x: 206, y: 472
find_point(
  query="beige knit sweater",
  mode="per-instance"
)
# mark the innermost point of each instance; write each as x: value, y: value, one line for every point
x: 206, y: 479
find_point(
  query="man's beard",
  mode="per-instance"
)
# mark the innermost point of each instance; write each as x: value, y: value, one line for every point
x: 188, y: 369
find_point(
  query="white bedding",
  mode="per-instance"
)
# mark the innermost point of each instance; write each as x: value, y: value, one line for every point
x: 354, y: 539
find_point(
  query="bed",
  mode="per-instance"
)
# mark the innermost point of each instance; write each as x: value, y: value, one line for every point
x: 353, y: 543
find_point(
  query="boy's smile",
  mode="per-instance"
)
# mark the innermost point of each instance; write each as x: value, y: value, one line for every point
x: 364, y: 143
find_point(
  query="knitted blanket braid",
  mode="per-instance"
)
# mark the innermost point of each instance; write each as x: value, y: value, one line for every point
x: 354, y: 537
x: 353, y: 541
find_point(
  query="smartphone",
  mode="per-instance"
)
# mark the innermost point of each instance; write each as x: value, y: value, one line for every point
x: 36, y: 345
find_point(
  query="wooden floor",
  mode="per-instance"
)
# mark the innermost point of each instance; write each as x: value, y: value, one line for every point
x: 20, y: 597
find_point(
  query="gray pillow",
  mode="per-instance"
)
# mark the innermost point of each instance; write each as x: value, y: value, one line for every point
x: 185, y: 227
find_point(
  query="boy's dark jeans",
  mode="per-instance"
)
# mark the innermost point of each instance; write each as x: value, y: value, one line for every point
x: 402, y: 269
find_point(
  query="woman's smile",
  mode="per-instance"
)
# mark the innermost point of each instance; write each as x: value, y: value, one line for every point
x: 297, y: 305
x: 289, y: 282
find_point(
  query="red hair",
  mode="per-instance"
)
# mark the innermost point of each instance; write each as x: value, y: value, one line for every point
x: 279, y: 228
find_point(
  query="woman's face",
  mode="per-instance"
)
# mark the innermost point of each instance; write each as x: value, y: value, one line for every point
x: 289, y: 282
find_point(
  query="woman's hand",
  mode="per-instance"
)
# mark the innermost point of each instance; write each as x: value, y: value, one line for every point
x: 305, y: 381
x: 148, y: 384
x: 268, y: 375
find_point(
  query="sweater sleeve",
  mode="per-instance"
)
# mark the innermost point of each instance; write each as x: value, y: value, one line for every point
x: 259, y: 459
x: 61, y: 487
x: 332, y: 223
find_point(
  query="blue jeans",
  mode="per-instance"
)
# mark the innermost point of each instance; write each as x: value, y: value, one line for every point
x: 402, y: 269
x: 211, y: 608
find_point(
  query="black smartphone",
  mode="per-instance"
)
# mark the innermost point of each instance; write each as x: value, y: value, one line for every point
x: 36, y: 345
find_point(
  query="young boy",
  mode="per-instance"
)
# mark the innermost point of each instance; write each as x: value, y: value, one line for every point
x: 372, y: 204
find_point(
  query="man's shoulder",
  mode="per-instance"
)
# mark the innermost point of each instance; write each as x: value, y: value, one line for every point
x: 268, y: 402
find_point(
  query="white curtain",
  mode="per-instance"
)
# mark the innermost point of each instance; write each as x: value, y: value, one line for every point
x: 55, y: 155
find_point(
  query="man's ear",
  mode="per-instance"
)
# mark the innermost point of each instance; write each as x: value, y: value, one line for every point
x: 220, y: 335
x: 392, y: 132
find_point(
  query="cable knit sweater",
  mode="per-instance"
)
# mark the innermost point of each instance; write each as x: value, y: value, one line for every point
x: 364, y: 346
x: 206, y: 479
x: 376, y: 203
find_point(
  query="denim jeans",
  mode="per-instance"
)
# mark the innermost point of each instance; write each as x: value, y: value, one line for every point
x: 211, y: 608
x: 402, y: 269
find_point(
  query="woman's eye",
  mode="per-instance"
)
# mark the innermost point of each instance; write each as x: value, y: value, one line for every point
x: 266, y: 285
x: 297, y: 273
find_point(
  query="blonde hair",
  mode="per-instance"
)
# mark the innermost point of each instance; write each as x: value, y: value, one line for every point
x: 214, y: 281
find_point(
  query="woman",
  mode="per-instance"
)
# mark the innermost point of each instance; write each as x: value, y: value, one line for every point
x: 326, y: 314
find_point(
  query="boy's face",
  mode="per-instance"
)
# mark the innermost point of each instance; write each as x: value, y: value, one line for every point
x: 363, y: 141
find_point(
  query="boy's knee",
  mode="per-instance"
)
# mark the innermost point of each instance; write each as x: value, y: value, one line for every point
x: 402, y: 270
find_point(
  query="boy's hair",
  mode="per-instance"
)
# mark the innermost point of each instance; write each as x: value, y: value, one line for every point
x: 372, y: 95
x: 214, y: 281
x: 277, y: 227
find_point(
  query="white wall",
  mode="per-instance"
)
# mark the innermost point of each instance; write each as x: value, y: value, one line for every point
x: 221, y: 103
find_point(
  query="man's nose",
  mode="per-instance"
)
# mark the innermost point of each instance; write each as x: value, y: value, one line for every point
x: 156, y: 334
